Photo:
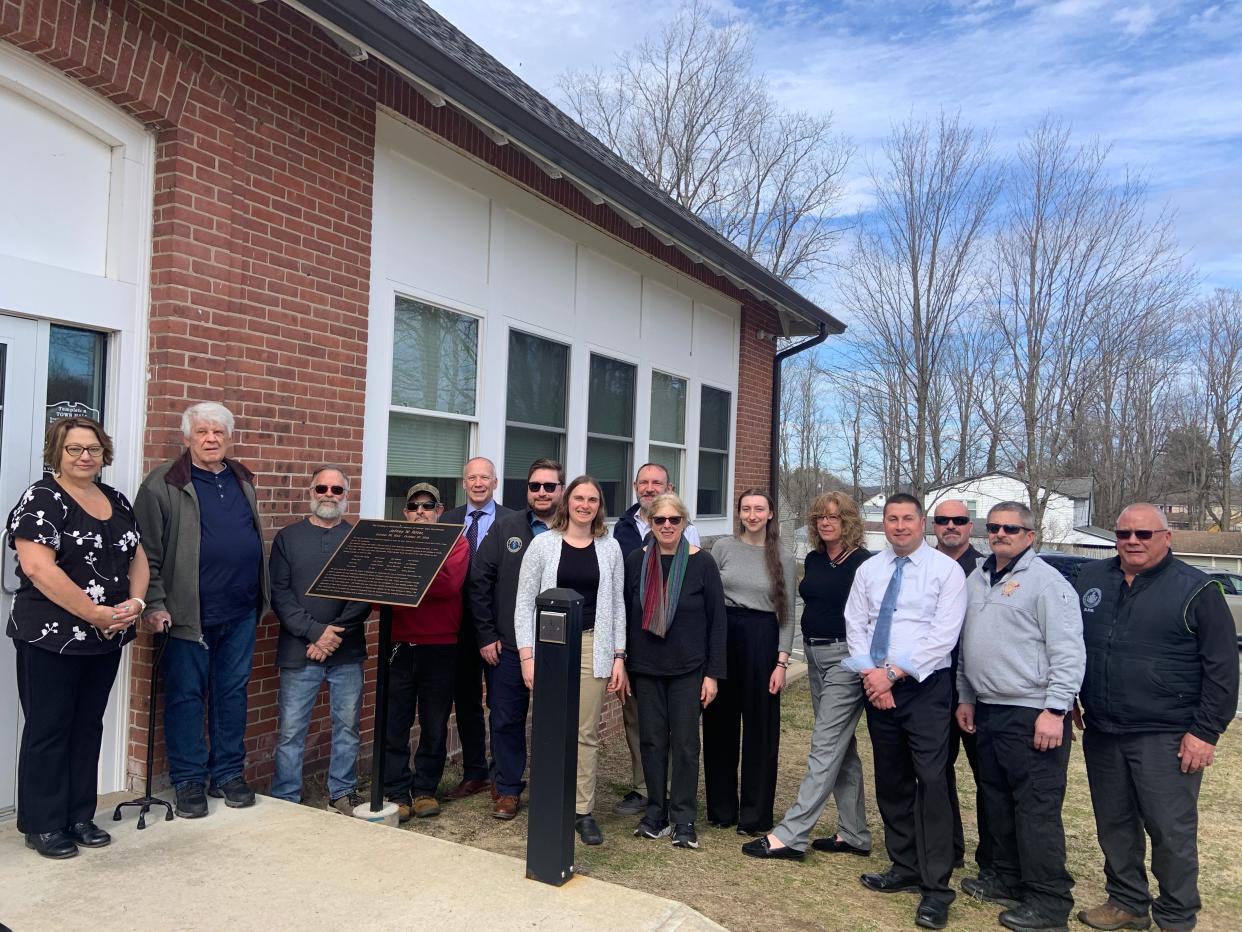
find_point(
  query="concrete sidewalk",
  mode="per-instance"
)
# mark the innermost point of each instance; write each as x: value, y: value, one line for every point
x: 283, y: 866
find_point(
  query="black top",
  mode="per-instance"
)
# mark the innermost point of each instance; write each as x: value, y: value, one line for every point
x: 230, y: 552
x: 94, y: 554
x: 824, y: 589
x: 696, y: 639
x: 579, y: 570
x: 992, y: 574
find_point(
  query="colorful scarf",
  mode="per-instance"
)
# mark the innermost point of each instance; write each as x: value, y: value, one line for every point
x: 659, y: 595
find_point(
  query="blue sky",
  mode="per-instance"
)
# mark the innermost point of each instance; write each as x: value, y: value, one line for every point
x: 1160, y: 81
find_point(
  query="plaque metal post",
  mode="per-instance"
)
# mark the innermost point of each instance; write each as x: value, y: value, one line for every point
x: 381, y: 708
x: 554, y: 736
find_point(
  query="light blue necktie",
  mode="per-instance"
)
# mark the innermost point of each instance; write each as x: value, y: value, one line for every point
x: 884, y: 621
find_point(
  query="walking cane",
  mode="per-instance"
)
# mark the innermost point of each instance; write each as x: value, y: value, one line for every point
x: 147, y: 801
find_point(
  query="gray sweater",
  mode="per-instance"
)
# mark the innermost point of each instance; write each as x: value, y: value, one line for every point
x: 744, y: 571
x: 1022, y: 641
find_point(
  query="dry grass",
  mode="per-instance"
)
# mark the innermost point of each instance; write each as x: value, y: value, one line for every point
x: 823, y: 891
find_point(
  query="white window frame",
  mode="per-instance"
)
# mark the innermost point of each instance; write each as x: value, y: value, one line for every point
x: 727, y: 491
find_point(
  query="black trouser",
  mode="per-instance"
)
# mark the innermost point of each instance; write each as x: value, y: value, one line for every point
x: 1022, y: 791
x: 1136, y: 785
x: 668, y: 728
x: 911, y: 750
x: 743, y: 704
x: 983, y: 850
x: 63, y: 699
x: 420, y: 678
x: 468, y: 703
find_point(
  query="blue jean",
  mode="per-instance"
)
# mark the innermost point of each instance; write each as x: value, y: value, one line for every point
x: 299, y: 688
x: 508, y: 700
x: 210, y: 676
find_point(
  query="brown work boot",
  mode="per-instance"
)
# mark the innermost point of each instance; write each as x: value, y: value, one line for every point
x: 1109, y: 916
x: 425, y: 807
x: 405, y: 809
x: 506, y: 807
x: 467, y: 788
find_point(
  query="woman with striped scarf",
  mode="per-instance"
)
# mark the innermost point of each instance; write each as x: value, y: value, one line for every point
x: 676, y: 640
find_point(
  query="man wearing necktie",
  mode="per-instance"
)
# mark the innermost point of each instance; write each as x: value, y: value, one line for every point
x: 478, y: 514
x: 902, y: 619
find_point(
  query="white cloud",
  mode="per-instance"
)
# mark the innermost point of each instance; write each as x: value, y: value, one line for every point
x: 1135, y: 20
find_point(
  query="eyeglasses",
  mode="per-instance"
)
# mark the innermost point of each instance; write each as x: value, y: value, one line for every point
x: 420, y: 506
x: 1121, y: 535
x: 325, y: 489
x: 76, y: 449
x: 546, y: 486
x: 958, y: 520
x: 674, y: 520
x: 1007, y: 528
x: 825, y: 517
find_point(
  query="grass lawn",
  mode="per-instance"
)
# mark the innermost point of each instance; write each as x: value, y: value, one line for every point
x: 823, y: 892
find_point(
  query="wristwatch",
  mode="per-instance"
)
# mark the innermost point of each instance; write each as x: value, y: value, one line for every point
x: 620, y: 655
x: 892, y: 676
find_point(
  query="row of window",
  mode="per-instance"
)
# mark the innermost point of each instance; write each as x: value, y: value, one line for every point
x: 434, y: 407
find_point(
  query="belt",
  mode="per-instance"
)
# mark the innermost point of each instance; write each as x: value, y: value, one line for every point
x: 819, y: 642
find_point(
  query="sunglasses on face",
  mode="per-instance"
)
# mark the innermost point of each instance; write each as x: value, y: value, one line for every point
x: 959, y: 520
x: 325, y: 489
x: 1138, y: 535
x: 1007, y: 528
x: 661, y: 520
x: 546, y: 486
x: 420, y: 506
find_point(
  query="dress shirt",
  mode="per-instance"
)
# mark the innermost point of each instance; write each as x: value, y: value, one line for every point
x: 691, y: 533
x: 486, y: 520
x: 927, y: 621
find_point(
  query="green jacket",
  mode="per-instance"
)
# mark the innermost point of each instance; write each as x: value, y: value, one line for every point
x: 168, y: 515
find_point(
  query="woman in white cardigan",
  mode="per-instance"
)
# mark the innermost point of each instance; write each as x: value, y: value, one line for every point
x: 577, y: 553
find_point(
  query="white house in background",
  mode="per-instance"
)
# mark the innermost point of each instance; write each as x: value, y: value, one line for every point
x: 1067, y: 517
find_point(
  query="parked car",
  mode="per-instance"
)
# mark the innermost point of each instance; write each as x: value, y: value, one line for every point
x: 1232, y: 584
x: 1067, y: 564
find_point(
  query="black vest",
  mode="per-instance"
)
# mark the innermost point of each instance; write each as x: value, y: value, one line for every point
x: 1143, y: 666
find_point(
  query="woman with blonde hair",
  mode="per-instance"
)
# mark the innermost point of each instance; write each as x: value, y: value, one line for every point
x: 833, y: 767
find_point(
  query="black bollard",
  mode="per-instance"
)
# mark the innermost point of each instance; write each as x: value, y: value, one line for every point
x: 554, y: 736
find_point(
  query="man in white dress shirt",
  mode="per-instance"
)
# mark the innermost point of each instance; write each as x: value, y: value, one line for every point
x: 902, y: 619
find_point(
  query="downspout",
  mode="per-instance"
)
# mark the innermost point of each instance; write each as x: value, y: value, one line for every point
x: 774, y: 438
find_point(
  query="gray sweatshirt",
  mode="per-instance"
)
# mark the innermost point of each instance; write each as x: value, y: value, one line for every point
x: 744, y: 571
x: 1022, y: 641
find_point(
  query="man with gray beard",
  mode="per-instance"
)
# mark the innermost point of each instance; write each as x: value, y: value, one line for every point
x: 320, y: 639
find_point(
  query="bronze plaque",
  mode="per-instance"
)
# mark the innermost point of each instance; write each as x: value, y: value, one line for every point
x: 386, y: 562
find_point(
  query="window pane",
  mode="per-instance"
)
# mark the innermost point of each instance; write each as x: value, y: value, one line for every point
x: 609, y: 462
x: 714, y: 419
x: 523, y: 447
x: 424, y: 449
x: 668, y: 408
x: 610, y: 406
x: 434, y: 358
x: 711, y: 499
x: 538, y: 372
x: 76, y: 363
x: 670, y: 459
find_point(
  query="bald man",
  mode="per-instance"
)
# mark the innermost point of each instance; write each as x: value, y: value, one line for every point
x: 1161, y: 687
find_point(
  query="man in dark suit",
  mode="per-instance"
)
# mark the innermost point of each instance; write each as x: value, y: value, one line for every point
x: 478, y: 515
x: 492, y: 592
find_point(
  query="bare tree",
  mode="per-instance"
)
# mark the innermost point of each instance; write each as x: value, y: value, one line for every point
x: 1219, y: 359
x: 688, y: 111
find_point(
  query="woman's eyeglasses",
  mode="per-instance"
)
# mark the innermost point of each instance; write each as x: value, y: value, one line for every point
x: 958, y: 520
x: 661, y: 520
x: 325, y: 489
x: 1121, y: 535
x: 546, y: 486
x: 75, y: 450
x: 818, y: 518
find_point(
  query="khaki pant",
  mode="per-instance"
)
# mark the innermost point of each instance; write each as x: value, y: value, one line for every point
x: 630, y: 711
x: 592, y: 691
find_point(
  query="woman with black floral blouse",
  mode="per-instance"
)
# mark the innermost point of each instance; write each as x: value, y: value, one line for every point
x: 83, y: 575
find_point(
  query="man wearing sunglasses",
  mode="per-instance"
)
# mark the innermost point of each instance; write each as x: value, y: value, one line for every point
x: 953, y: 527
x: 320, y: 640
x: 1021, y: 664
x: 1161, y: 687
x: 492, y: 592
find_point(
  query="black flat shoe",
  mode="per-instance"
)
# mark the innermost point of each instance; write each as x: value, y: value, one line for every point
x: 889, y: 882
x: 55, y: 845
x: 89, y: 835
x: 752, y: 832
x: 588, y: 829
x: 931, y: 915
x: 835, y: 845
x: 761, y: 848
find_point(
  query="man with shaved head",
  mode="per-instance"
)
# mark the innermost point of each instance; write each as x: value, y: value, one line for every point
x: 1161, y: 687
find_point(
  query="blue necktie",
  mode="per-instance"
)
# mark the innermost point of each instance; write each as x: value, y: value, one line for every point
x: 472, y: 532
x: 884, y: 621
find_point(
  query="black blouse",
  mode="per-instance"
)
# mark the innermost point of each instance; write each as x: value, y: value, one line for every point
x: 696, y: 640
x: 94, y: 554
x: 825, y: 587
x: 579, y: 570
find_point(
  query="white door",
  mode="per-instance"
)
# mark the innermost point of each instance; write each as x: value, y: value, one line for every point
x: 20, y: 430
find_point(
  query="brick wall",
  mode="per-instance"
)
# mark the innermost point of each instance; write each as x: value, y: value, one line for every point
x: 260, y: 257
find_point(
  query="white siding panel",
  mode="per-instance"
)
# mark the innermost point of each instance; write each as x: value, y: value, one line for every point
x: 714, y: 342
x: 610, y: 299
x: 668, y: 327
x: 535, y: 273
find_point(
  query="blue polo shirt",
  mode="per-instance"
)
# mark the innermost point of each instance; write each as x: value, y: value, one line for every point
x: 229, y: 549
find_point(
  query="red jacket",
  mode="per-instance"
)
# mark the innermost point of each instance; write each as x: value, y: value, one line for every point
x: 437, y: 619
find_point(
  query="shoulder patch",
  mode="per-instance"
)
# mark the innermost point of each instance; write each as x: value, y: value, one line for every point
x: 513, y: 544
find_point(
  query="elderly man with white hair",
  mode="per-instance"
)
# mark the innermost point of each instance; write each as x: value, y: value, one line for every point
x: 200, y: 527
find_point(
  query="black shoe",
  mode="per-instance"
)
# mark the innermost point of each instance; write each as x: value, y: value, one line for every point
x: 889, y: 882
x: 752, y: 832
x: 55, y: 845
x: 762, y: 848
x: 835, y: 845
x: 1027, y: 917
x: 89, y: 835
x: 989, y: 888
x: 649, y: 829
x: 588, y: 829
x: 959, y: 864
x: 191, y: 803
x: 721, y: 825
x: 931, y: 915
x: 684, y: 836
x: 633, y: 803
x: 236, y: 793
